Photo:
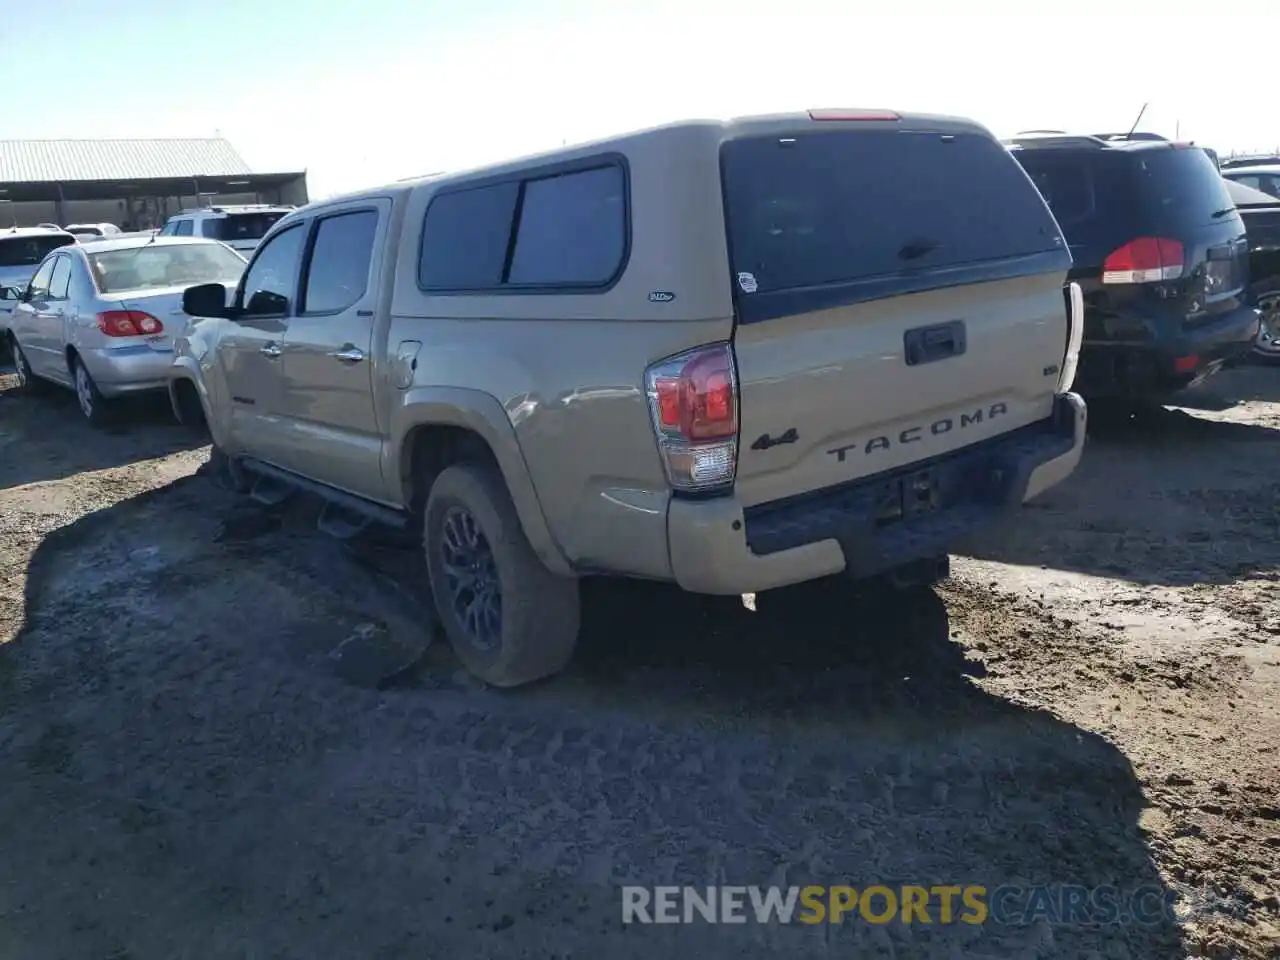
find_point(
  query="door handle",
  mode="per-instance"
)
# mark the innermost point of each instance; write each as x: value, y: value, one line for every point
x: 271, y: 350
x: 938, y: 342
x: 348, y: 354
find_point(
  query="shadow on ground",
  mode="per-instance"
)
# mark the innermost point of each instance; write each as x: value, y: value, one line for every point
x: 185, y: 773
x: 43, y: 435
x: 1161, y: 497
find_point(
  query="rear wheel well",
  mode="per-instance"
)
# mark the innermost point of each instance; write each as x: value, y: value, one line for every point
x: 70, y: 355
x: 430, y: 449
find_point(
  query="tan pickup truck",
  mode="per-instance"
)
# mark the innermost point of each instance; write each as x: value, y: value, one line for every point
x: 730, y: 355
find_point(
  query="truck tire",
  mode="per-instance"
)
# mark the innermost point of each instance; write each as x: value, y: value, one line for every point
x: 509, y: 619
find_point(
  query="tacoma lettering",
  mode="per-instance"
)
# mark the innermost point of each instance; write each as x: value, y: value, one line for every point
x: 912, y: 434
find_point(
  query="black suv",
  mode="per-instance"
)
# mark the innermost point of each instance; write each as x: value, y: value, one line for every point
x: 1160, y: 254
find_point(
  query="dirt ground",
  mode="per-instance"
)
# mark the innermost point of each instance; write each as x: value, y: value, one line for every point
x: 221, y: 735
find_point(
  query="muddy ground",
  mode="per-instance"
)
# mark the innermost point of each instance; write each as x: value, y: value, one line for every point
x: 221, y: 736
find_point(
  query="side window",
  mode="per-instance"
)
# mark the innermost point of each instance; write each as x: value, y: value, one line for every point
x: 167, y: 229
x: 1270, y: 186
x: 209, y: 228
x: 60, y: 279
x: 338, y: 273
x: 182, y: 228
x: 271, y: 279
x: 39, y: 287
x: 465, y: 236
x: 1067, y: 188
x: 573, y: 229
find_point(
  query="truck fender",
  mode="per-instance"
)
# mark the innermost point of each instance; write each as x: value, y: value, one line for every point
x: 482, y: 414
x: 186, y: 368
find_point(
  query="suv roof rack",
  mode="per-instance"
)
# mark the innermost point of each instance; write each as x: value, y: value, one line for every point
x: 1050, y: 140
x: 1250, y: 160
x: 1134, y: 135
x: 235, y: 208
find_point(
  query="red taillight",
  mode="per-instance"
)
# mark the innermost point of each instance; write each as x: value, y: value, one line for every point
x: 1145, y: 260
x: 853, y: 115
x: 128, y: 323
x: 694, y: 401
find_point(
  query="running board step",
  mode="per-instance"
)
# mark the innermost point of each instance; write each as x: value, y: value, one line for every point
x: 340, y: 523
x: 270, y: 491
x: 344, y: 515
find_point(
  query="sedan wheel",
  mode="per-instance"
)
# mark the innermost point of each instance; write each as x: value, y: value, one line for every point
x: 27, y: 381
x: 92, y: 403
x: 1267, y: 345
x: 21, y: 366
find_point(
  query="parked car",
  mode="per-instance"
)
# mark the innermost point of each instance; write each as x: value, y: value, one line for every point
x: 240, y: 227
x: 1161, y: 256
x: 100, y: 316
x: 94, y: 229
x: 734, y: 356
x: 21, y: 250
x: 1265, y: 177
x: 1261, y: 215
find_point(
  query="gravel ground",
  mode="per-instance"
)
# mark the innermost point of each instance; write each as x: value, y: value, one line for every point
x: 224, y: 735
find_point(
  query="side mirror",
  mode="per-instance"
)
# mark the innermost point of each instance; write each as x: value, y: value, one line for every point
x: 264, y: 303
x: 205, y: 300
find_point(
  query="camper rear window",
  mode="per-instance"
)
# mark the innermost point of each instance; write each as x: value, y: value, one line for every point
x: 832, y: 207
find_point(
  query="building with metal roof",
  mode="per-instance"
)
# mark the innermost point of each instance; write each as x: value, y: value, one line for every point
x: 135, y: 184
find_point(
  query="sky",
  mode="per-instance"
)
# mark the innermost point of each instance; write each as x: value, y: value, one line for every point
x: 362, y: 93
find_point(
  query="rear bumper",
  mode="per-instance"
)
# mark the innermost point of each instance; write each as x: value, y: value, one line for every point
x: 128, y: 369
x: 718, y: 547
x: 1166, y: 364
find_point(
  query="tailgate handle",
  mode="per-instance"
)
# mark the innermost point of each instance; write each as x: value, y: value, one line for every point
x: 927, y: 344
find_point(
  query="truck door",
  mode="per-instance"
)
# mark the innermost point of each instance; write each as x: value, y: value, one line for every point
x: 329, y: 421
x: 250, y: 350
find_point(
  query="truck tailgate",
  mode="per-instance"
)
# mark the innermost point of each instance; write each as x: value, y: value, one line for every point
x: 898, y: 293
x: 842, y: 381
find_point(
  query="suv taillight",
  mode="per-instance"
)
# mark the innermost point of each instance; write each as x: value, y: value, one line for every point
x: 693, y: 398
x: 1075, y: 333
x: 1145, y: 260
x: 128, y: 323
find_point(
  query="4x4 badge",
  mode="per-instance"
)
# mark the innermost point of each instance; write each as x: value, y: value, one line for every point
x: 747, y: 281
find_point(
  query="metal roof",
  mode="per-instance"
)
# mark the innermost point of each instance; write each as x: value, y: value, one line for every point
x: 47, y: 161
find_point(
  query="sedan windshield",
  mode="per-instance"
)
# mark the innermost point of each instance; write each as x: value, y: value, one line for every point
x: 165, y: 265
